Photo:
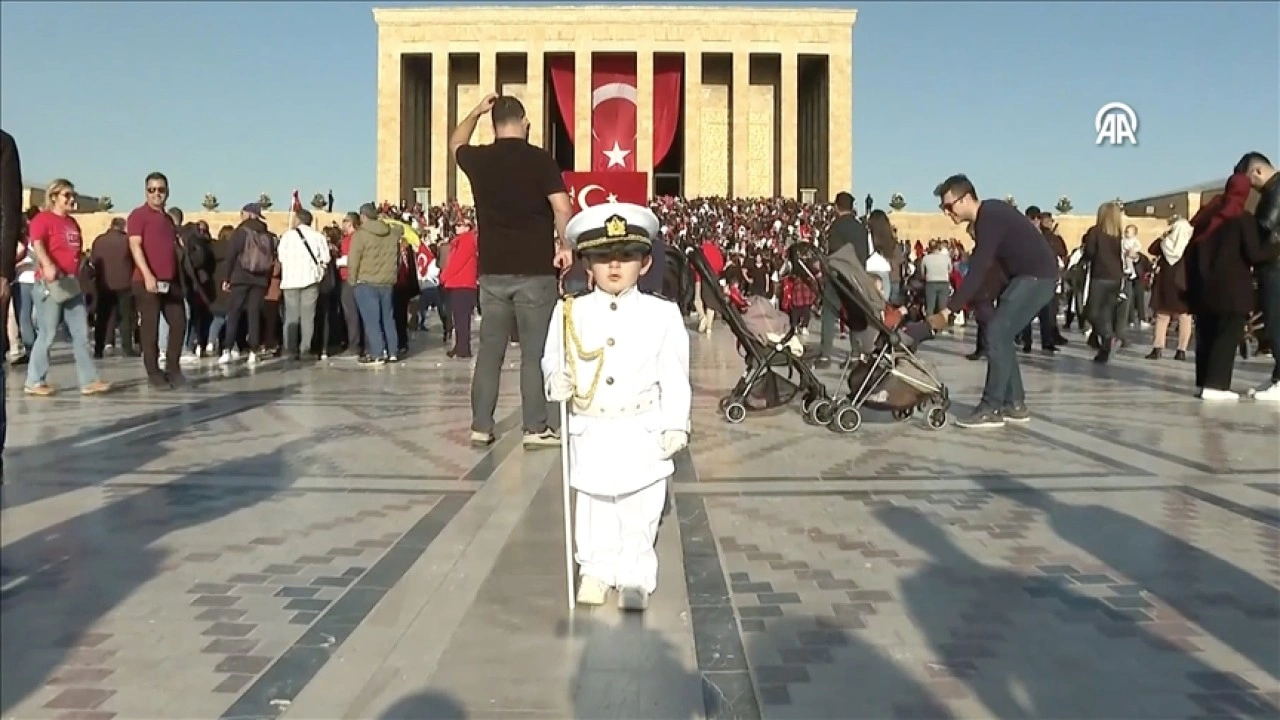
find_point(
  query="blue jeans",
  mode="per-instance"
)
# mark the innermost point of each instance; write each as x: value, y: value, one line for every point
x: 215, y: 329
x: 374, y: 302
x: 1019, y: 303
x: 164, y: 328
x: 76, y: 317
x: 24, y: 306
x: 1269, y: 290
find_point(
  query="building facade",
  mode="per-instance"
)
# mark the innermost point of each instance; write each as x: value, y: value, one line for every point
x: 765, y: 96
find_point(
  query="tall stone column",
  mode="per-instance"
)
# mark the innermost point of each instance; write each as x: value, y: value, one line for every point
x: 389, y: 160
x: 644, y: 110
x: 488, y: 84
x: 741, y: 135
x: 840, y: 122
x: 535, y: 91
x: 582, y: 108
x: 789, y: 124
x: 441, y: 126
x: 692, y: 109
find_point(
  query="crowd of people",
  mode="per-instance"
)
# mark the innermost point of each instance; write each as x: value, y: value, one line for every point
x: 244, y: 294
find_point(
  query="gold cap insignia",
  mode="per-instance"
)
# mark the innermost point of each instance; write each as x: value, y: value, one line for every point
x: 615, y: 227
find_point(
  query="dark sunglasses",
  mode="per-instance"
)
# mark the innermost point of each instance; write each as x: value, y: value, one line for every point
x: 157, y: 191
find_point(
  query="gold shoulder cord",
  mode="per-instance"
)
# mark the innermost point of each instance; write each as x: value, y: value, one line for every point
x: 573, y: 352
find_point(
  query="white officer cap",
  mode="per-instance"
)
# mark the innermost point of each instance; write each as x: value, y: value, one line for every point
x: 613, y: 226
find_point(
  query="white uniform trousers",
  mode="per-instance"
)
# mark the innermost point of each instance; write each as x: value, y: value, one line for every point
x: 615, y: 536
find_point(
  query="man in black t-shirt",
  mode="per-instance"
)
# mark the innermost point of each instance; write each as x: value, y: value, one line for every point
x: 522, y: 209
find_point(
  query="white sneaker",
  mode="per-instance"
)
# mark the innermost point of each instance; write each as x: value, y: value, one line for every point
x: 208, y: 349
x: 253, y: 358
x: 228, y: 357
x: 633, y: 598
x: 1267, y: 392
x: 592, y: 591
x: 189, y: 359
x: 1211, y: 395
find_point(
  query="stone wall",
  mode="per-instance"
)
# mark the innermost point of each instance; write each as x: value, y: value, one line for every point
x: 910, y: 225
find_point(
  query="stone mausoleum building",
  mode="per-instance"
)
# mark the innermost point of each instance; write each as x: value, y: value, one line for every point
x: 731, y: 101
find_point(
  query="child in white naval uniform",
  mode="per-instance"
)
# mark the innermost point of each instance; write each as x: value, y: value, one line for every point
x: 620, y: 358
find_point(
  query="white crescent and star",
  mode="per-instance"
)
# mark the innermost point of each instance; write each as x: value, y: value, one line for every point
x: 585, y: 193
x: 613, y: 91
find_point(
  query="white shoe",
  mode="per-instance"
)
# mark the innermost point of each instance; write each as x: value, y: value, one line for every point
x: 228, y: 357
x: 1211, y: 395
x: 208, y: 349
x: 253, y: 358
x: 1267, y: 392
x: 189, y: 359
x: 591, y: 591
x: 633, y: 598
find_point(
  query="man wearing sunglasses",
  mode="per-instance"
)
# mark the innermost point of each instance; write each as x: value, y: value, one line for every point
x: 157, y: 287
x: 1005, y: 238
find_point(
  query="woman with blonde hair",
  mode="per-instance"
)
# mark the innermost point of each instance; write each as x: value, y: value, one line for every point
x: 1102, y: 245
x: 56, y: 243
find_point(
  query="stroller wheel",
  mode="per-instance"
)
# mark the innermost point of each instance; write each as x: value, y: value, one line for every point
x: 847, y: 420
x: 821, y: 412
x: 901, y: 415
x: 936, y: 418
x: 735, y: 412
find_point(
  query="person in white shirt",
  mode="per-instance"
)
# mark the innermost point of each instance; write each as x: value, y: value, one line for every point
x: 304, y: 260
x: 24, y: 304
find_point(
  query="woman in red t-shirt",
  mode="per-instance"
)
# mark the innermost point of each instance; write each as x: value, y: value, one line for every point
x: 459, y: 279
x: 56, y: 244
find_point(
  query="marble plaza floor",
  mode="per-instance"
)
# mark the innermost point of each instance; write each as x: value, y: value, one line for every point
x: 321, y: 542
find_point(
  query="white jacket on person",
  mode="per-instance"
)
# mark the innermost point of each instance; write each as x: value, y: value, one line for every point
x: 297, y: 268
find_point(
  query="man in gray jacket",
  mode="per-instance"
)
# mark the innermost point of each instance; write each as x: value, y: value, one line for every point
x: 373, y: 261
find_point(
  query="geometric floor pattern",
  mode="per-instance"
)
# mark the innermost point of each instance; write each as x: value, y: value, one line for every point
x: 321, y: 542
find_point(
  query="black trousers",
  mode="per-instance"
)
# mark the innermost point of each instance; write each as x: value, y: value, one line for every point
x: 983, y: 311
x: 150, y: 306
x: 247, y: 300
x: 1048, y: 326
x: 115, y: 310
x: 1217, y: 340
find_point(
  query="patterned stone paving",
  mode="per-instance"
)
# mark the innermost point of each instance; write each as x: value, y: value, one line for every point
x: 321, y: 542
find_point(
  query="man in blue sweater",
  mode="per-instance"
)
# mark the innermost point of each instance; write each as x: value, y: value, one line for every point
x: 1003, y: 237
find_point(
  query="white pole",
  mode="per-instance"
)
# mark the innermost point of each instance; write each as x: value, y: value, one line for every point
x: 564, y: 467
x: 568, y: 515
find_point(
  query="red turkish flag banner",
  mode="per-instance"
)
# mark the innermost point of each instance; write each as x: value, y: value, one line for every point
x: 295, y: 205
x: 613, y: 113
x: 587, y: 189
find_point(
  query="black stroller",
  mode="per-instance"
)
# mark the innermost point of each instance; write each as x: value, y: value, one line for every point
x: 886, y: 375
x: 773, y: 375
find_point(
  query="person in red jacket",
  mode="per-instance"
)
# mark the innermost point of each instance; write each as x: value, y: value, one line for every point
x: 715, y: 259
x: 355, y: 333
x: 459, y: 280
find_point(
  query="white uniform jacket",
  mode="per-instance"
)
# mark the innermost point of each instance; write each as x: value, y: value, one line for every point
x: 643, y: 390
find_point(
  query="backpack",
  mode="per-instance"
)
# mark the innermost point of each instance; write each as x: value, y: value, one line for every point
x: 258, y: 255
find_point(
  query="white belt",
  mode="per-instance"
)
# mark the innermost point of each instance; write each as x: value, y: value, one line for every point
x: 635, y: 405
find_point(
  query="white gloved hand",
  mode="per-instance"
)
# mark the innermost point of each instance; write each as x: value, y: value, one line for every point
x: 559, y: 387
x: 672, y: 442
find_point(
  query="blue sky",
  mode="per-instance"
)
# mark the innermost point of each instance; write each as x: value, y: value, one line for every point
x: 242, y: 98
